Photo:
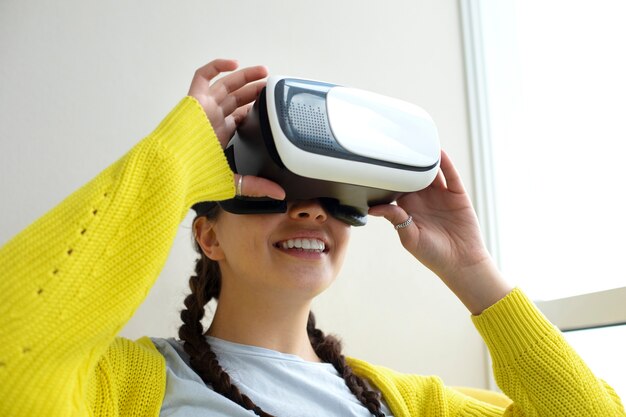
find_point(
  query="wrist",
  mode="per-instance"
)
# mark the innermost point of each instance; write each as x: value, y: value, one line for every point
x: 478, y: 286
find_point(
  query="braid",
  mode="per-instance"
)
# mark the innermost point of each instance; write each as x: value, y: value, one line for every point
x: 328, y: 348
x: 205, y: 285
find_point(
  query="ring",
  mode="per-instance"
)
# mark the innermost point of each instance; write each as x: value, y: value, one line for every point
x: 239, y: 186
x: 404, y: 223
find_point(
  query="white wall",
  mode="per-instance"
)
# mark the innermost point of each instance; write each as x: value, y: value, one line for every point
x: 82, y: 81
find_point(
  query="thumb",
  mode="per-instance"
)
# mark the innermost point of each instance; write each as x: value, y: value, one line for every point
x: 251, y: 186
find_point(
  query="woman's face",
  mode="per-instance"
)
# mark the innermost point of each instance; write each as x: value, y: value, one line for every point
x: 297, y: 253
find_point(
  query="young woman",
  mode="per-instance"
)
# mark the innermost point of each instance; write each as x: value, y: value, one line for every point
x: 71, y: 280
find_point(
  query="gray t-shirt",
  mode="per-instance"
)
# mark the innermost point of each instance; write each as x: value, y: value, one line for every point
x: 281, y: 384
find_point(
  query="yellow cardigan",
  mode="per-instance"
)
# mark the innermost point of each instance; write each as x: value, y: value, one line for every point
x: 71, y: 280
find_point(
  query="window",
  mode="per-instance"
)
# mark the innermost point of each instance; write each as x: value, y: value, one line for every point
x: 547, y: 98
x: 607, y: 365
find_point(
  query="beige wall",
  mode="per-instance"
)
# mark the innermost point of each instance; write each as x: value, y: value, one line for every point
x: 82, y: 81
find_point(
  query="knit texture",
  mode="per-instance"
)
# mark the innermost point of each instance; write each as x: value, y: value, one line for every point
x: 537, y: 368
x: 72, y: 279
x: 533, y: 365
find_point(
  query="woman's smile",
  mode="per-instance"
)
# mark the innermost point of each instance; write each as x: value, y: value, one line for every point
x: 304, y: 245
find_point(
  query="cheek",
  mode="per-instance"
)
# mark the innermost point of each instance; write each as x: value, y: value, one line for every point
x: 342, y: 239
x: 245, y: 241
x: 242, y: 246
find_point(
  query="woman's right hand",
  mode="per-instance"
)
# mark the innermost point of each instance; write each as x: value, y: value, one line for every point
x: 445, y: 236
x: 226, y: 103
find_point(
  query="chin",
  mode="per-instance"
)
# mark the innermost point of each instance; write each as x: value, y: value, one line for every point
x: 309, y: 284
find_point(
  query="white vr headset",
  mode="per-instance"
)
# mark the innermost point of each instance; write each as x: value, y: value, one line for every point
x: 349, y: 148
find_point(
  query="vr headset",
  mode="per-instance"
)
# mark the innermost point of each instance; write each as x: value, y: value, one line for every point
x: 349, y: 148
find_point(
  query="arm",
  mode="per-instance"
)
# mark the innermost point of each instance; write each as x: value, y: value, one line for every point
x: 72, y: 279
x: 533, y: 364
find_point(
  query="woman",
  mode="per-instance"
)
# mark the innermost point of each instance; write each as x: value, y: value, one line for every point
x: 73, y: 278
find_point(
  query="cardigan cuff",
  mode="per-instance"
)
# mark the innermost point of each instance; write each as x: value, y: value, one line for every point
x: 511, y: 326
x: 187, y: 134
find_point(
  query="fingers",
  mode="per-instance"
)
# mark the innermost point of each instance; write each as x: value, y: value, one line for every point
x: 231, y: 122
x: 202, y: 78
x: 202, y: 83
x: 394, y: 214
x: 238, y: 79
x: 243, y: 96
x: 252, y: 186
x: 241, y: 113
x: 439, y: 181
x: 225, y: 100
x: 450, y: 174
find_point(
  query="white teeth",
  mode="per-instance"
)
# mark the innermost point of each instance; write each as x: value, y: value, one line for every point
x: 304, y: 244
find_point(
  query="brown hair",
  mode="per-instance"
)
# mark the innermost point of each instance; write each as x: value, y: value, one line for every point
x: 205, y: 285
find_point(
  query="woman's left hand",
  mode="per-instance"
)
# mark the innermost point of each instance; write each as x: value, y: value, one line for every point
x: 226, y: 101
x: 445, y: 237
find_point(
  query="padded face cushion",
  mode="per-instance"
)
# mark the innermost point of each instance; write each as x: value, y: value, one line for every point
x: 248, y: 205
x: 346, y: 214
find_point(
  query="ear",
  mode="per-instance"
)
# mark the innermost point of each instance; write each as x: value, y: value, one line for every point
x: 205, y: 235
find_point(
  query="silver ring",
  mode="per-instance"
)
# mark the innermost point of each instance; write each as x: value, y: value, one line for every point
x: 239, y: 185
x: 404, y: 223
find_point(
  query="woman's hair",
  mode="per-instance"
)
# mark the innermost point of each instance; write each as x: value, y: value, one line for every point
x: 205, y: 285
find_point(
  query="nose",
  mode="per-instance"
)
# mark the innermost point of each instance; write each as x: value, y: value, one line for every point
x: 307, y: 210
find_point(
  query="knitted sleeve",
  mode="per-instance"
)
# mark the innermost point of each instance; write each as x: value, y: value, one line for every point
x: 421, y: 396
x: 129, y: 380
x: 533, y: 365
x: 537, y: 368
x: 71, y: 280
